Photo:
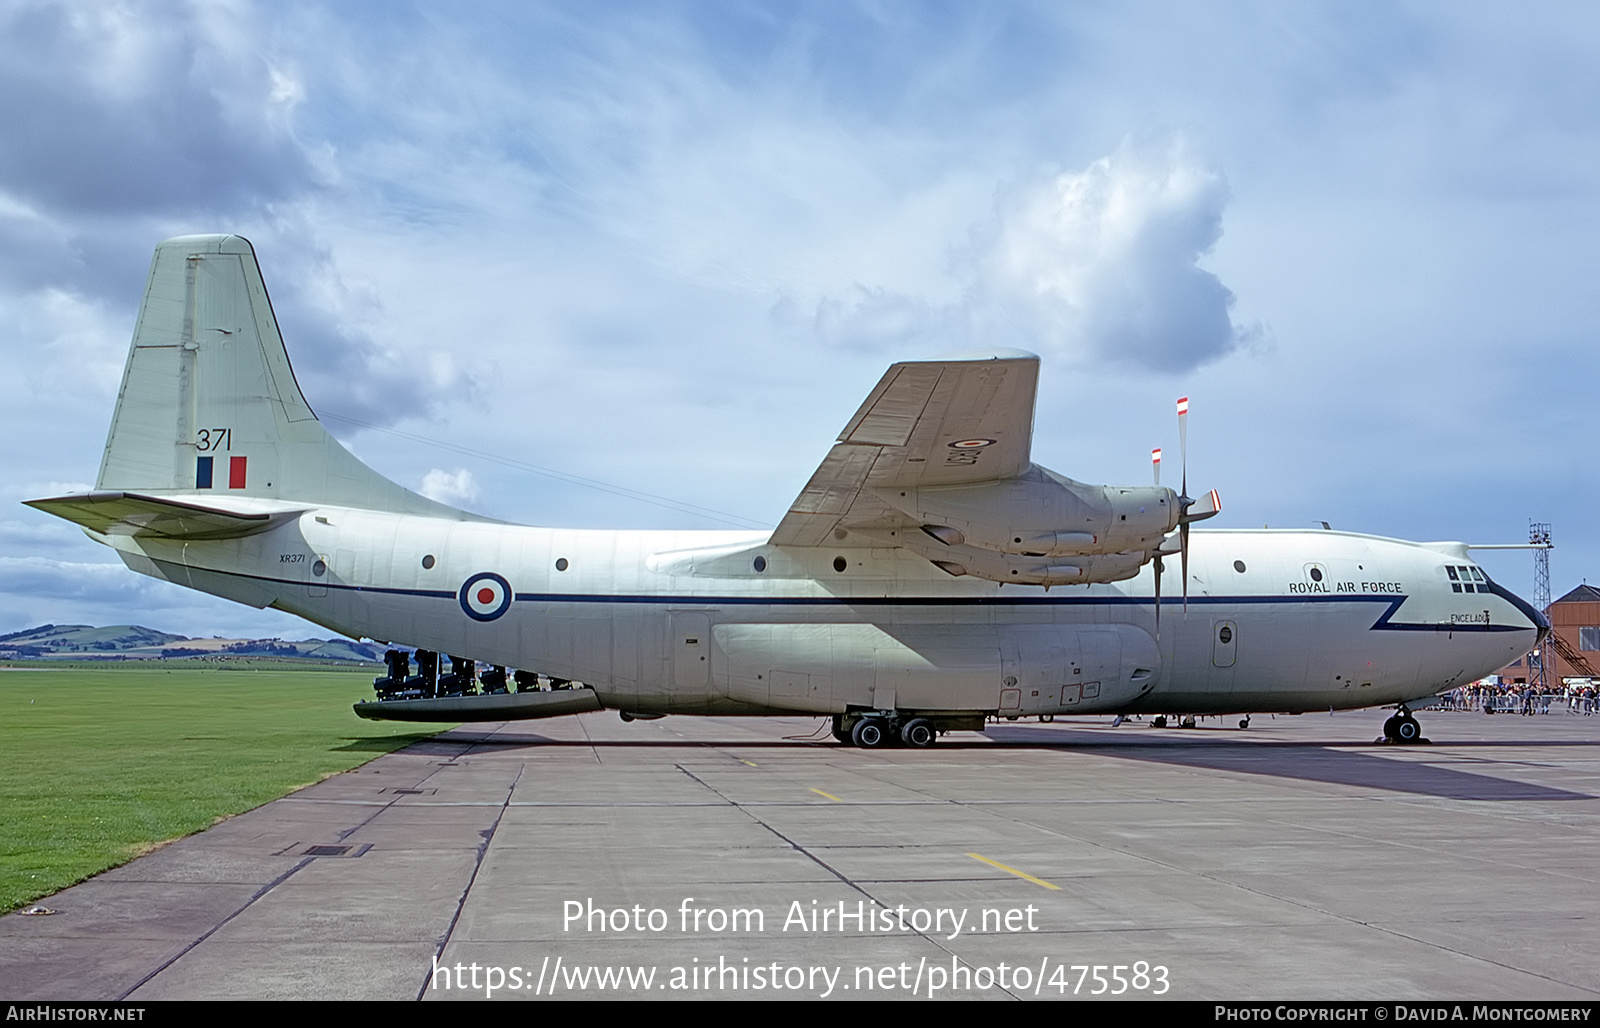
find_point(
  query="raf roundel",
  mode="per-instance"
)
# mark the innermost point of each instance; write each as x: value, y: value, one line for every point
x: 485, y: 596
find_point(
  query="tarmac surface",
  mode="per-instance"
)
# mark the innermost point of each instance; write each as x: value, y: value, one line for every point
x: 1294, y: 859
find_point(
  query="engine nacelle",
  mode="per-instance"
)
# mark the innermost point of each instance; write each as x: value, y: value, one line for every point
x: 1041, y: 514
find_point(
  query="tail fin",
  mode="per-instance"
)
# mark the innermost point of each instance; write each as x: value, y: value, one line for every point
x: 209, y: 406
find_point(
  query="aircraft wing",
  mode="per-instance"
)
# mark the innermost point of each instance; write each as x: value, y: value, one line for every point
x: 956, y: 421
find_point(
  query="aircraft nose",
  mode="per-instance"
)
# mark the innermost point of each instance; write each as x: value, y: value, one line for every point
x: 1536, y: 619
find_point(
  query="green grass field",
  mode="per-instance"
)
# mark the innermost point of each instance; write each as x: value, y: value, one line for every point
x: 100, y: 764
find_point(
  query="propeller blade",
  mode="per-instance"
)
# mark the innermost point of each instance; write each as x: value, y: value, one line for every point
x: 1155, y: 463
x: 1158, y: 599
x: 1183, y: 536
x: 1207, y: 506
x: 1183, y: 442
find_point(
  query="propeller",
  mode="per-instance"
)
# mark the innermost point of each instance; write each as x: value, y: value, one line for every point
x: 1155, y: 466
x: 1184, y: 503
x: 1190, y: 510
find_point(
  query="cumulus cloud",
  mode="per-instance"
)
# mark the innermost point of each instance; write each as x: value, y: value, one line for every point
x: 875, y: 320
x: 42, y: 577
x: 137, y: 108
x: 457, y: 488
x: 333, y: 328
x: 1102, y: 264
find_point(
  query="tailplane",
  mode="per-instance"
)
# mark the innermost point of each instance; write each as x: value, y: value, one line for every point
x: 209, y: 407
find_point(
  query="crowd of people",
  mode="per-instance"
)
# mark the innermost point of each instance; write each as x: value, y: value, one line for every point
x: 1491, y: 697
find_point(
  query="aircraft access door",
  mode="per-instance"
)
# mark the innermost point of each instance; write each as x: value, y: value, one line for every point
x: 691, y: 651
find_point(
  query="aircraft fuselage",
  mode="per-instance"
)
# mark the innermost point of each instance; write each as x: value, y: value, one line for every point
x: 719, y: 622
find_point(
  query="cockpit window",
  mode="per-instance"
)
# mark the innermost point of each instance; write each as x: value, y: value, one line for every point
x: 1462, y: 577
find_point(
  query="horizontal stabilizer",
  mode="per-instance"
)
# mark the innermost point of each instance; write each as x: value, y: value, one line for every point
x: 109, y: 512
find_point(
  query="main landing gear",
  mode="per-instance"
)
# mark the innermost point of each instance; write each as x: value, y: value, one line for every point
x: 877, y: 730
x: 1402, y: 728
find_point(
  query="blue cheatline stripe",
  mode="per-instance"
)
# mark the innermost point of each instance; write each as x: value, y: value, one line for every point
x: 202, y: 473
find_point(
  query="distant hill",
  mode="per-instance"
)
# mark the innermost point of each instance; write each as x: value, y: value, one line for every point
x: 135, y: 642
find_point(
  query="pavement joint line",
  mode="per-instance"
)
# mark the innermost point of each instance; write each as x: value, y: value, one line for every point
x: 253, y: 898
x: 1011, y: 870
x: 483, y: 849
x: 1370, y: 925
x: 1379, y: 839
x: 209, y: 932
x: 845, y: 879
x: 337, y: 803
x: 792, y: 844
x: 583, y: 726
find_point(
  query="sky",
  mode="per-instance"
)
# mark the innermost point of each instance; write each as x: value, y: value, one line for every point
x: 635, y: 265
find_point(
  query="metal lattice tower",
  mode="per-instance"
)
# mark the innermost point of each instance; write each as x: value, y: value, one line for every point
x: 1539, y: 539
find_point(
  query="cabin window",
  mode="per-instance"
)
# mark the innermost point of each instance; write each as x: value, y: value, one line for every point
x: 1238, y: 566
x: 561, y: 564
x: 839, y: 563
x: 428, y: 562
x: 760, y: 564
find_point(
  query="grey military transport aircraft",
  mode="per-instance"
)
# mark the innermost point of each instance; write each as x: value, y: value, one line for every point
x: 928, y: 578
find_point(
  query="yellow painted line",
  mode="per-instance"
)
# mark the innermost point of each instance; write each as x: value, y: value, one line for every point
x: 830, y: 795
x: 743, y: 761
x: 1014, y: 871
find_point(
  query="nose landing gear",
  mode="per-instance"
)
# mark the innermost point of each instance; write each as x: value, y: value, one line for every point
x: 1402, y: 728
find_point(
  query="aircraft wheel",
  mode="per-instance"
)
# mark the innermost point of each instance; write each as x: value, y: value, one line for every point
x: 919, y: 732
x: 1159, y: 721
x: 869, y: 733
x: 1391, y: 728
x: 1407, y: 729
x: 1244, y: 722
x: 1187, y: 722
